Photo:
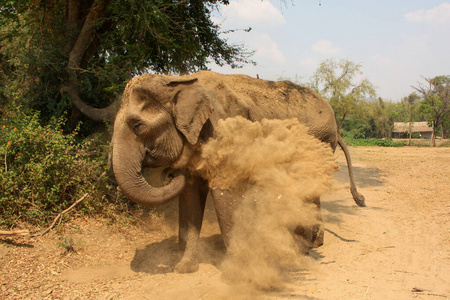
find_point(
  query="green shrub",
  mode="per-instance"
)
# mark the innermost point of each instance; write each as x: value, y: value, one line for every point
x: 355, y: 128
x: 44, y: 170
x: 374, y: 142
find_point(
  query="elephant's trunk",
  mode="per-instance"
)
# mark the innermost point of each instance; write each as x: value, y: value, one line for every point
x: 128, y: 157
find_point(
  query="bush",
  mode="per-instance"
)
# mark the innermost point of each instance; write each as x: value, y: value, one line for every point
x: 44, y: 170
x: 357, y: 128
x: 374, y: 142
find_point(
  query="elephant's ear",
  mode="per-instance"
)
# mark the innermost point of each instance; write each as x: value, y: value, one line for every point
x: 193, y: 107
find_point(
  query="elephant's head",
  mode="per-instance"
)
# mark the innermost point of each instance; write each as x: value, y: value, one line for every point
x: 157, y: 118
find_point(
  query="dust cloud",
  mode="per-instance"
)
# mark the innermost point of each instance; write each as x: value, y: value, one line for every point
x: 274, y: 169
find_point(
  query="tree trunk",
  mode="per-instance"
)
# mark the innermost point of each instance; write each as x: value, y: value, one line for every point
x: 433, y: 136
x: 410, y: 133
x: 410, y: 123
x: 77, y: 50
x: 86, y: 35
x: 71, y: 22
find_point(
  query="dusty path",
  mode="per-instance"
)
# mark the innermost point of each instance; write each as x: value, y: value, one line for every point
x: 396, y: 248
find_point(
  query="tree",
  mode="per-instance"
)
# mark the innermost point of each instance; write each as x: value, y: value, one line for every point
x: 91, y: 48
x: 372, y: 118
x: 342, y: 84
x: 411, y: 102
x: 435, y: 102
x: 382, y: 119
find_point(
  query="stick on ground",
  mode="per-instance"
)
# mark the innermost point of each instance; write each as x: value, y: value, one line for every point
x: 60, y: 215
x: 14, y: 233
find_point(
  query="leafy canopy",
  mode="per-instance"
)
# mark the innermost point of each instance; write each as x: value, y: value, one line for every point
x: 342, y: 84
x: 435, y: 102
x: 96, y: 46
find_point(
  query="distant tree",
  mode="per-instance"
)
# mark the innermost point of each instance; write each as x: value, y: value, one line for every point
x: 412, y: 104
x: 91, y: 48
x: 436, y: 102
x: 384, y: 123
x: 342, y: 84
x: 446, y: 128
x: 376, y: 114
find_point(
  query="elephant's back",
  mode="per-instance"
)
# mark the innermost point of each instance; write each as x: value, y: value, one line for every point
x: 283, y: 98
x: 256, y: 99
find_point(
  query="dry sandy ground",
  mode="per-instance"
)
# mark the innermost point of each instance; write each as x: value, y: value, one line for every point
x: 396, y: 248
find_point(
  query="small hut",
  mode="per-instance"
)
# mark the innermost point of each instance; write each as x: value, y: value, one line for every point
x: 401, y: 130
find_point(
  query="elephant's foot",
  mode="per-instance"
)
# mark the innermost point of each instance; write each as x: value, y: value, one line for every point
x: 311, y: 237
x: 187, y: 265
x: 317, y: 236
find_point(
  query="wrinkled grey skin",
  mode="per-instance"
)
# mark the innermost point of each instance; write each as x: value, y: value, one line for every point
x: 164, y: 119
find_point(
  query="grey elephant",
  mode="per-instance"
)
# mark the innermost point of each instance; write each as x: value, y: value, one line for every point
x: 164, y: 119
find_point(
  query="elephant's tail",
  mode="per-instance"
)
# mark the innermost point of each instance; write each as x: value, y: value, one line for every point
x: 359, y: 198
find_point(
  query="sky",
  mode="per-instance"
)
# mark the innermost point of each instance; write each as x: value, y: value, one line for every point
x: 397, y: 42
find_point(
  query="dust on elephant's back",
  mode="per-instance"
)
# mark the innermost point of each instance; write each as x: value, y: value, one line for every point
x: 240, y: 95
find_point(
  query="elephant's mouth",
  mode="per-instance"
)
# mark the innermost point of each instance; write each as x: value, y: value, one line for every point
x: 159, y: 176
x: 150, y: 161
x: 155, y: 157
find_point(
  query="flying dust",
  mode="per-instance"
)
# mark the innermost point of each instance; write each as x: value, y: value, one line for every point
x: 274, y: 169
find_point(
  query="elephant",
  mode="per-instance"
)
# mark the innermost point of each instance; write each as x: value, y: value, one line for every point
x: 164, y: 120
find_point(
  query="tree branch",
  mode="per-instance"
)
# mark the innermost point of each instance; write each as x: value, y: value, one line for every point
x: 96, y: 114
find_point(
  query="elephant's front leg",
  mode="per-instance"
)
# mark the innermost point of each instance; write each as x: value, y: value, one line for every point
x: 192, y: 206
x: 226, y: 202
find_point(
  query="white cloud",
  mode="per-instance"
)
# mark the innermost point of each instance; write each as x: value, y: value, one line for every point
x: 251, y: 13
x: 267, y: 49
x: 435, y: 16
x: 271, y: 61
x: 325, y: 47
x: 380, y: 60
x: 308, y: 62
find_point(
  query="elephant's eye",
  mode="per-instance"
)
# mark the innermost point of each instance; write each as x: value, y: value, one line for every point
x: 136, y: 125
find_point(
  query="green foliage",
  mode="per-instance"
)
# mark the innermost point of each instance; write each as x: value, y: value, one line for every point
x: 435, y: 104
x: 95, y: 47
x: 374, y: 142
x: 357, y: 128
x: 43, y: 47
x: 43, y: 170
x: 341, y: 83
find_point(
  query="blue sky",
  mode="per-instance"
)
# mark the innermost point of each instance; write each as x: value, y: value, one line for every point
x: 396, y: 41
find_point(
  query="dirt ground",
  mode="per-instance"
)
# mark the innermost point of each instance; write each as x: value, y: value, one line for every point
x: 396, y: 248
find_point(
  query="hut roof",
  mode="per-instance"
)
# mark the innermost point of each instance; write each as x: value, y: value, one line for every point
x: 416, y: 127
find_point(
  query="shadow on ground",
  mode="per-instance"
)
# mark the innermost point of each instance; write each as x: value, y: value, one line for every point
x: 339, y: 203
x: 364, y: 177
x: 162, y: 257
